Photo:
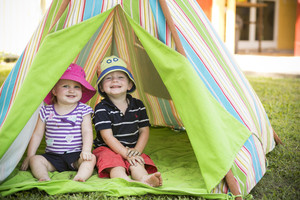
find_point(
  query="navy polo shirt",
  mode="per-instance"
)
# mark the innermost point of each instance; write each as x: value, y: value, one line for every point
x: 124, y: 127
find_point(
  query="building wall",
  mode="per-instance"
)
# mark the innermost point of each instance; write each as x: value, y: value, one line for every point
x: 223, y: 21
x: 218, y: 17
x: 286, y: 21
x: 297, y: 31
x: 286, y: 24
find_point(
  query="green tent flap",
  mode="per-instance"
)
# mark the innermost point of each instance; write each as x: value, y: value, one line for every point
x: 219, y: 136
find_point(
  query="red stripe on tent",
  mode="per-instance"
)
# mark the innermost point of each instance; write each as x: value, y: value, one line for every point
x: 215, y: 80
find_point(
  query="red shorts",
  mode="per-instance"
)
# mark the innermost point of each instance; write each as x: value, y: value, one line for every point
x: 106, y: 158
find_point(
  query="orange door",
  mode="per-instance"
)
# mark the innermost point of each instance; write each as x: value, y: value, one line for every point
x: 297, y: 31
x: 206, y: 6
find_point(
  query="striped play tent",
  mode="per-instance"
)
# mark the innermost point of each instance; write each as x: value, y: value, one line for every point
x: 187, y: 79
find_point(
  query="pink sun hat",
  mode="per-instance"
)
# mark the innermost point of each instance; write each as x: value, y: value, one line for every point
x: 76, y: 73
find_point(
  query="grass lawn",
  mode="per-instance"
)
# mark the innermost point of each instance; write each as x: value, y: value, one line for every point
x: 281, y: 100
x: 4, y: 71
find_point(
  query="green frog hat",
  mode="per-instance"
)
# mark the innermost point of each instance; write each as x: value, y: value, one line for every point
x: 111, y: 64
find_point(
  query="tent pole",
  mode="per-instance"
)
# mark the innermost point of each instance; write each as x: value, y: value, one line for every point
x: 276, y: 138
x: 229, y: 176
x: 61, y: 10
x: 232, y: 185
x: 171, y: 26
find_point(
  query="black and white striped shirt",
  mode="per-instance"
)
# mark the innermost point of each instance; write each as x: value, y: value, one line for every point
x: 124, y: 127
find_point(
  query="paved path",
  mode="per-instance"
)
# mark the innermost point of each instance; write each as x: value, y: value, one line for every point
x: 275, y: 66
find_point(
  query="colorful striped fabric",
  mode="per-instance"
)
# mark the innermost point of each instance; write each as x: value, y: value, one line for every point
x: 9, y: 91
x: 210, y: 60
x: 14, y: 81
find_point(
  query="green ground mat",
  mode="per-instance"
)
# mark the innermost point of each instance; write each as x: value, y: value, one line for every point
x: 170, y: 150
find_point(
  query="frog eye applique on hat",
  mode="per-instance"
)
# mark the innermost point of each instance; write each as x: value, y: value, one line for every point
x: 112, y: 60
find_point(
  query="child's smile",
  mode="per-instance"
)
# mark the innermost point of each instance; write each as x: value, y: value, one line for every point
x: 115, y: 86
x: 71, y: 96
x: 116, y: 83
x: 67, y: 91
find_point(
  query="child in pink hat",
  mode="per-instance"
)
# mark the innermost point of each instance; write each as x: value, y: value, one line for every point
x: 66, y: 122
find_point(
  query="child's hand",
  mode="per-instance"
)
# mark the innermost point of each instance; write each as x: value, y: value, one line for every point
x: 132, y: 152
x: 86, y: 155
x: 134, y: 160
x: 25, y: 164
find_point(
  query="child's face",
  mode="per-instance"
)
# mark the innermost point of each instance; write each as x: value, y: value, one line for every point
x: 115, y: 84
x: 67, y: 92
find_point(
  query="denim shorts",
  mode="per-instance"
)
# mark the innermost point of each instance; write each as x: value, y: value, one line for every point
x: 63, y: 162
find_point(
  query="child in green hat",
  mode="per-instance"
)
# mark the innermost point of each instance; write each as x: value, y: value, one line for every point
x: 122, y: 127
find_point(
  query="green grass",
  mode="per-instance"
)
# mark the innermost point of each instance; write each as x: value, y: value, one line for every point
x: 35, y: 194
x: 4, y: 71
x: 281, y: 100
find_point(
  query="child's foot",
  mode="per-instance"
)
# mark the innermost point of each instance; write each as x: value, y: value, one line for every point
x: 154, y: 180
x: 79, y: 179
x: 44, y: 179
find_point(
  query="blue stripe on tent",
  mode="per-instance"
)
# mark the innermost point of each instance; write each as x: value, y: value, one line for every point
x: 238, y: 71
x: 92, y: 8
x: 8, y: 88
x: 159, y: 19
x: 245, y: 82
x: 249, y: 90
x: 209, y: 82
x: 228, y: 54
x: 250, y: 145
x: 269, y: 123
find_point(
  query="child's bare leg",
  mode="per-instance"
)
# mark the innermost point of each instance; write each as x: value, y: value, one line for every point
x: 40, y: 167
x: 85, y: 169
x: 119, y: 172
x: 140, y: 174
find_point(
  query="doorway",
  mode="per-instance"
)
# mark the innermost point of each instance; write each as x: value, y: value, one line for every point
x: 249, y: 38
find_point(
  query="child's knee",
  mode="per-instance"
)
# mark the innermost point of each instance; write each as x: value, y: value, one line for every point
x: 94, y: 160
x: 88, y: 163
x: 36, y: 159
x: 137, y: 166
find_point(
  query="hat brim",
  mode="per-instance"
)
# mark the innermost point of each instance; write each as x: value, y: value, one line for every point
x: 88, y: 91
x: 112, y: 69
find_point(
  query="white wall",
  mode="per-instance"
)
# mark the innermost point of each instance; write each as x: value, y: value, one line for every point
x: 18, y: 21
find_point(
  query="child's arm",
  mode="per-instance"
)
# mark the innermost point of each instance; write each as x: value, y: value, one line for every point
x: 87, y: 138
x: 34, y: 143
x: 143, y: 139
x: 141, y: 143
x: 134, y: 153
x: 113, y: 143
